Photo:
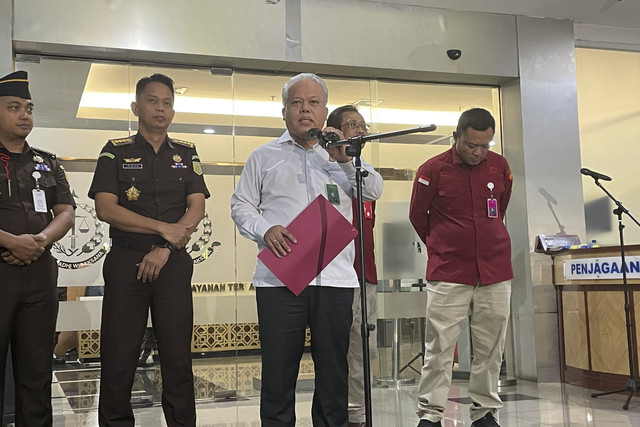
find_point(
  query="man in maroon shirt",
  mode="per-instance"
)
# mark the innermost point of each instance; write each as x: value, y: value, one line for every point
x: 457, y: 208
x: 351, y: 123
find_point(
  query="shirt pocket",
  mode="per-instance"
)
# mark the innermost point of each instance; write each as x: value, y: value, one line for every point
x: 453, y: 199
x: 4, y: 185
x: 498, y: 185
x: 178, y: 179
x: 49, y: 185
x: 133, y: 183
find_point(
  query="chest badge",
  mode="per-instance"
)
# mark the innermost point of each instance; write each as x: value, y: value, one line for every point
x: 177, y: 162
x: 132, y: 193
x: 40, y: 166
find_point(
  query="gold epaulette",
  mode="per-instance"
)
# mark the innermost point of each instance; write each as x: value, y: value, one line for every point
x: 41, y: 151
x: 181, y: 142
x: 122, y: 141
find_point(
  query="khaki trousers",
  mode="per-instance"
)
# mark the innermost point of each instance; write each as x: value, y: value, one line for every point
x: 448, y: 304
x: 354, y: 356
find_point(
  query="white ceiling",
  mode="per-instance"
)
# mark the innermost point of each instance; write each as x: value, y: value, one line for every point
x: 616, y: 13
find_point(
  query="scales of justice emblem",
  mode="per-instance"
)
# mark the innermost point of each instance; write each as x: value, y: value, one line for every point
x: 87, y: 241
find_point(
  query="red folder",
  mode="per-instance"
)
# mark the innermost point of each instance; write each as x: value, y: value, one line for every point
x: 322, y: 233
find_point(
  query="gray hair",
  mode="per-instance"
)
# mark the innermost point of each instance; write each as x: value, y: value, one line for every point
x: 300, y: 77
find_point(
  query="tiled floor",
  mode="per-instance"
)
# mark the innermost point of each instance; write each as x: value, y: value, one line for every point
x: 526, y: 404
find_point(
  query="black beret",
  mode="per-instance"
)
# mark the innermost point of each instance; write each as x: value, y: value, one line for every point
x: 15, y: 84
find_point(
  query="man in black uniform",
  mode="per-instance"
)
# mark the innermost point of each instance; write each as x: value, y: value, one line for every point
x: 151, y: 191
x: 36, y: 210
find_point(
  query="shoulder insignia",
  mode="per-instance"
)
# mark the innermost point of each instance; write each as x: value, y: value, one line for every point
x: 184, y: 143
x: 45, y: 152
x: 122, y: 141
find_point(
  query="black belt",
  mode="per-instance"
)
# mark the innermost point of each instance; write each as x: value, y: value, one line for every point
x: 135, y: 244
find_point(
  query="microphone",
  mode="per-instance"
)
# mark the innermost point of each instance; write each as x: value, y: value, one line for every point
x: 594, y: 175
x: 323, y: 140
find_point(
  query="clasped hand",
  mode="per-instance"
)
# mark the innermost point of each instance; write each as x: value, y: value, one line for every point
x: 24, y: 249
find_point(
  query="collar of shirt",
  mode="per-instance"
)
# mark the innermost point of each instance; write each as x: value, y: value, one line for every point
x: 26, y: 147
x: 143, y: 143
x: 287, y: 138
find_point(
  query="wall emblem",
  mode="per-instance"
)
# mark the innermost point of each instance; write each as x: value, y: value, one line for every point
x: 201, y: 247
x: 85, y: 243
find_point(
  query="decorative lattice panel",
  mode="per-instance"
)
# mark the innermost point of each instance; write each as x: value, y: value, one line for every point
x: 206, y: 338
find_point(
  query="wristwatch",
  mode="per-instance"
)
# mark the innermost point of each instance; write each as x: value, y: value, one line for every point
x: 166, y: 245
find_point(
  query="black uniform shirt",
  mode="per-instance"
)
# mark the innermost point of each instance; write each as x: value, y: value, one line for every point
x: 154, y: 185
x: 17, y: 212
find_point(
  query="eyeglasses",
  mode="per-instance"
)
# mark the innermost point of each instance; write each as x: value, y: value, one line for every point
x: 354, y: 124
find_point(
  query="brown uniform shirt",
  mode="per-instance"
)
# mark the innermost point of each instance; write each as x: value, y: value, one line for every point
x: 154, y: 185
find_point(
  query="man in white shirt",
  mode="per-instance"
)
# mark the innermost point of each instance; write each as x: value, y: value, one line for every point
x: 278, y: 181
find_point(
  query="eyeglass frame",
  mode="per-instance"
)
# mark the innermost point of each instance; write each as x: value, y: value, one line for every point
x: 353, y: 124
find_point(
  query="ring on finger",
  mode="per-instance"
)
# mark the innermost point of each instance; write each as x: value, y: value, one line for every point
x: 274, y: 241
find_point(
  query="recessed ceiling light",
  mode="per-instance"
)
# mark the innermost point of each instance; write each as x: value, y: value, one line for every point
x: 209, y: 131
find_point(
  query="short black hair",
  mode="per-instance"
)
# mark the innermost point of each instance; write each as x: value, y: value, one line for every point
x: 335, y: 118
x: 157, y: 77
x: 477, y: 119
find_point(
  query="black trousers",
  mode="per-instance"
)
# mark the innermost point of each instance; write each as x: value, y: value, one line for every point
x: 283, y: 318
x: 124, y: 319
x: 28, y: 313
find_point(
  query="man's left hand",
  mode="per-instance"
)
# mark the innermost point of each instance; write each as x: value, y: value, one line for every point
x: 337, y: 153
x: 150, y: 266
x: 10, y: 259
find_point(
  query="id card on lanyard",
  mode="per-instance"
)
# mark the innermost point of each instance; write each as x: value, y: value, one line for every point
x: 39, y: 199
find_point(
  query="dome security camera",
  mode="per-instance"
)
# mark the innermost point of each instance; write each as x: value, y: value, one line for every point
x: 454, y: 54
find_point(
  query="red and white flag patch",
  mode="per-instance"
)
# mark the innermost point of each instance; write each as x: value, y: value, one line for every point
x: 423, y: 180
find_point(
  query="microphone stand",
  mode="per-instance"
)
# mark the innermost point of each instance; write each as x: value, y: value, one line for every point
x: 354, y: 149
x: 633, y: 382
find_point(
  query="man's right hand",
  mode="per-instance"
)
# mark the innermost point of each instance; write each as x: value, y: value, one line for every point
x: 177, y: 234
x: 23, y: 250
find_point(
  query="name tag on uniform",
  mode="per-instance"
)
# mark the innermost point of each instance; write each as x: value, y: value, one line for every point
x: 132, y: 166
x: 39, y: 201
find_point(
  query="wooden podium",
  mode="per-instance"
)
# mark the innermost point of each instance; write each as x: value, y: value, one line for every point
x: 593, y: 335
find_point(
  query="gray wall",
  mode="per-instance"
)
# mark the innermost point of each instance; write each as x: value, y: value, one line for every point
x: 531, y: 58
x: 540, y: 119
x: 385, y: 40
x: 6, y: 53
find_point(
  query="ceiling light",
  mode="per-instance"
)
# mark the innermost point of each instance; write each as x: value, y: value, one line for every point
x: 209, y: 131
x: 199, y: 105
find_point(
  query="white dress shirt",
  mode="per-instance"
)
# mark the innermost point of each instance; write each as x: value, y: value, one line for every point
x: 278, y: 181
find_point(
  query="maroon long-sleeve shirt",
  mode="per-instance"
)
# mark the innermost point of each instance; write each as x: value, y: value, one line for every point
x: 449, y: 212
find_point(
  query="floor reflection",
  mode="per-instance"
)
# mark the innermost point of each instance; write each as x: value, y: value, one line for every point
x: 227, y: 392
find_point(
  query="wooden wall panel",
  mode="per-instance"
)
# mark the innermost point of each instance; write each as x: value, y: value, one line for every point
x: 575, y: 330
x: 608, y: 332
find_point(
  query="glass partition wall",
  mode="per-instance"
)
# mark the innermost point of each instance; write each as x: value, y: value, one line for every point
x: 227, y: 114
